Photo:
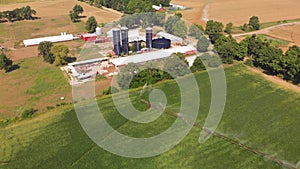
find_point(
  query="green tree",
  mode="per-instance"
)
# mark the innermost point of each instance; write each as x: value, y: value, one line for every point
x: 169, y: 25
x: 228, y: 49
x: 176, y: 66
x: 254, y: 23
x: 60, y: 53
x: 5, y: 62
x: 44, y: 49
x: 137, y: 6
x: 130, y: 21
x: 178, y: 14
x: 126, y: 74
x: 73, y: 16
x: 91, y: 24
x: 28, y: 12
x: 214, y: 30
x: 198, y: 65
x: 180, y: 29
x: 196, y: 31
x: 228, y: 28
x: 243, y: 50
x: 202, y: 44
x: 78, y: 9
x: 290, y: 63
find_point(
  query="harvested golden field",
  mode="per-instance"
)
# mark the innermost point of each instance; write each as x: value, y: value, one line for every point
x: 14, y: 1
x: 239, y: 11
x: 56, y: 8
x: 290, y: 33
x: 194, y: 10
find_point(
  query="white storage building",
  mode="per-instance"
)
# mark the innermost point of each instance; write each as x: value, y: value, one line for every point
x: 63, y: 37
x: 146, y: 57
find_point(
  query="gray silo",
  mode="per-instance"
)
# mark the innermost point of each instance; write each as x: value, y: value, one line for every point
x: 117, y: 41
x: 125, y: 46
x: 149, y: 38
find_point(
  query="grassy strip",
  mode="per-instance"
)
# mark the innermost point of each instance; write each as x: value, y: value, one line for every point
x: 237, y: 29
x: 269, y: 24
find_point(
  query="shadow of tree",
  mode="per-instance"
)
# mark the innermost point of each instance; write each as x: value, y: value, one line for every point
x: 71, y: 59
x: 13, y: 68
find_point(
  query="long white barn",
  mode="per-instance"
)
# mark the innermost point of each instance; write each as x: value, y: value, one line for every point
x: 145, y: 57
x: 63, y: 37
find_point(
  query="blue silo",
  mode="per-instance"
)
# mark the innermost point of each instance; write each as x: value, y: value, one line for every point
x: 149, y: 38
x: 125, y: 46
x: 117, y: 41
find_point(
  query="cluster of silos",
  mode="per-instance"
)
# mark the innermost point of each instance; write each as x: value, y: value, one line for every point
x: 118, y: 48
x: 124, y: 48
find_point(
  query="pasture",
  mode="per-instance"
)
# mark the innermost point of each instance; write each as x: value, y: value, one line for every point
x: 35, y: 84
x: 258, y: 113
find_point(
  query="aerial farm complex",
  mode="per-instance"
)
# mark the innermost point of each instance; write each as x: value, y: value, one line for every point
x: 117, y: 48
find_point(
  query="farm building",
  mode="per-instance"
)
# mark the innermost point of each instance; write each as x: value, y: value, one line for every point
x: 63, y: 37
x: 93, y: 37
x: 86, y: 69
x: 146, y: 57
x: 88, y: 37
x: 174, y: 39
x: 177, y: 6
x: 158, y: 8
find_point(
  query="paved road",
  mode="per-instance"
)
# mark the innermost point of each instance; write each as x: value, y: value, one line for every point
x: 266, y: 30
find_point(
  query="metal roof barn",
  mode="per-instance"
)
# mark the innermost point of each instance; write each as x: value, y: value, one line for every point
x: 146, y: 57
x: 87, y: 61
x: 63, y: 37
x: 173, y: 38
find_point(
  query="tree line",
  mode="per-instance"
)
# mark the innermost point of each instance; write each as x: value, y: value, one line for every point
x: 24, y: 13
x: 128, y: 6
x: 261, y: 53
